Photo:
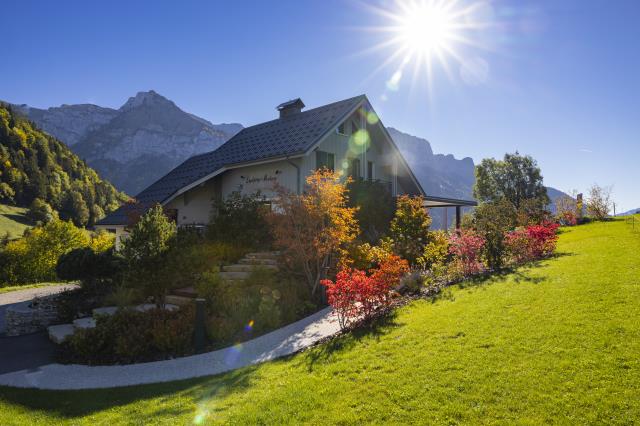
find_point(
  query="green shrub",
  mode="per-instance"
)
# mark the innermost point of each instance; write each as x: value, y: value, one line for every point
x: 240, y: 220
x: 145, y: 252
x: 375, y: 208
x: 436, y: 251
x: 410, y: 228
x: 88, y: 266
x: 492, y: 221
x: 123, y: 296
x: 130, y: 336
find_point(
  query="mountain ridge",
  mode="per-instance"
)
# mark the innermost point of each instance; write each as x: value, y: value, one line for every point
x: 136, y: 144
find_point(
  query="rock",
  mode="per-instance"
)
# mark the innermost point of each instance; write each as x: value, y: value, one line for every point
x: 86, y: 322
x: 106, y: 310
x: 149, y: 306
x: 58, y: 333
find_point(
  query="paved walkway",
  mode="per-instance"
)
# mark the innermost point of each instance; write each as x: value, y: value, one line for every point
x: 282, y: 342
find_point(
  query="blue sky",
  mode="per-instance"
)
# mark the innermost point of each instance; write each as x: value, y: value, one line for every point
x: 559, y: 80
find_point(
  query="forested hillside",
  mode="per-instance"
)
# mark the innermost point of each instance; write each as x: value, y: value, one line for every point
x: 36, y: 168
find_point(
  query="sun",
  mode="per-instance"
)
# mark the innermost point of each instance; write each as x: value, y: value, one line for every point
x: 421, y: 37
x: 426, y: 29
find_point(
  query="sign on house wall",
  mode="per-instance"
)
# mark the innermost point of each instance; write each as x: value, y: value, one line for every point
x: 264, y: 182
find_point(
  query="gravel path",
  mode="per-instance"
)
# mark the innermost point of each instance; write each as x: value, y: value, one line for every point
x: 282, y: 342
x: 13, y: 297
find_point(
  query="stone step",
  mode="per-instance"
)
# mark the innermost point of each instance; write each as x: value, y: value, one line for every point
x: 256, y: 261
x: 236, y: 275
x: 57, y: 333
x: 149, y: 306
x: 178, y: 300
x: 82, y: 323
x: 263, y: 255
x: 107, y: 310
x: 247, y: 268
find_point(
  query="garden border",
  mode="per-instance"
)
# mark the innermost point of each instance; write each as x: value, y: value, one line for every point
x: 282, y: 342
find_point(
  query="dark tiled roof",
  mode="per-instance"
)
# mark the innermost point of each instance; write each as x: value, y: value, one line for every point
x: 288, y: 136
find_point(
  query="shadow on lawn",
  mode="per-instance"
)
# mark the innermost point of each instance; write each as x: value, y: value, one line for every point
x: 377, y: 328
x: 520, y: 273
x: 79, y: 403
x: 18, y: 218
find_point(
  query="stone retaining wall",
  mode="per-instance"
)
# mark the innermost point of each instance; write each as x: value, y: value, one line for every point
x: 30, y: 316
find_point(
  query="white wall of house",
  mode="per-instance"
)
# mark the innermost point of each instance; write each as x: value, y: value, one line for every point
x: 261, y: 177
x: 194, y: 206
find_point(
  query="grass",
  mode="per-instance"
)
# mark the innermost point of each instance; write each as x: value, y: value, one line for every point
x: 11, y: 288
x: 557, y: 342
x: 13, y: 220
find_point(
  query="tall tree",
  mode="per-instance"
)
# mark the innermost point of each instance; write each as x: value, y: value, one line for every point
x: 599, y: 201
x: 516, y: 179
x: 145, y: 252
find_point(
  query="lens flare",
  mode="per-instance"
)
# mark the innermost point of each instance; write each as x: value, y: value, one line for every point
x: 232, y: 355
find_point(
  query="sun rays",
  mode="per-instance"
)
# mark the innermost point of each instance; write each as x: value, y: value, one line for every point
x: 422, y: 37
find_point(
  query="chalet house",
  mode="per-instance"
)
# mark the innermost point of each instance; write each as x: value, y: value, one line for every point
x: 347, y: 136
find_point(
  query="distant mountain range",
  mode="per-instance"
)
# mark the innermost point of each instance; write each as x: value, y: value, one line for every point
x: 149, y: 135
x: 629, y: 212
x: 136, y: 144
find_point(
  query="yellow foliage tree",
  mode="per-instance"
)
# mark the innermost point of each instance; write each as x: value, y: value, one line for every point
x: 313, y: 229
x: 34, y: 257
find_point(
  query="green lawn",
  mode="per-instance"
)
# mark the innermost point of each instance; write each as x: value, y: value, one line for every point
x: 13, y: 220
x: 555, y: 343
x: 11, y: 288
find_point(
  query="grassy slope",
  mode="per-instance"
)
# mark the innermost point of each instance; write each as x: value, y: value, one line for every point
x: 13, y: 220
x: 558, y: 342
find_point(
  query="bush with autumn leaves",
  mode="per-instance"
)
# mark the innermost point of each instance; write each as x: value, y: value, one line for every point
x: 410, y: 258
x: 356, y: 294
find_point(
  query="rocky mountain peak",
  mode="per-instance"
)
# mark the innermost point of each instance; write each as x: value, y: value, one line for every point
x: 149, y: 98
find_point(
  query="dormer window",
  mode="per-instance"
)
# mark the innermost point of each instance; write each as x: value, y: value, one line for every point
x: 340, y: 129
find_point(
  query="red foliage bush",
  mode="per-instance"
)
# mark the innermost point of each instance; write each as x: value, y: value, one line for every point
x: 518, y: 243
x: 354, y: 294
x: 532, y: 242
x: 466, y: 247
x: 543, y: 238
x: 568, y: 218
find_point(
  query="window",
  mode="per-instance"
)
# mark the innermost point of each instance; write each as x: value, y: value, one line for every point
x: 325, y: 159
x: 340, y: 129
x: 355, y: 168
x: 370, y: 170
